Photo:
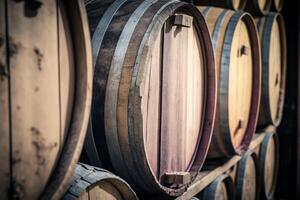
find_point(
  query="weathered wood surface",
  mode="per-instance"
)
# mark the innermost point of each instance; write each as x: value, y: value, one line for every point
x: 91, y: 183
x: 154, y: 80
x: 78, y: 24
x: 5, y: 169
x: 45, y: 95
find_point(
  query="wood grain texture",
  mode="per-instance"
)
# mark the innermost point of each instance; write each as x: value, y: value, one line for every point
x: 132, y: 77
x: 273, y: 40
x: 207, y: 176
x: 91, y: 183
x: 66, y: 72
x: 268, y: 165
x: 71, y: 151
x: 182, y: 97
x: 33, y: 65
x: 5, y: 170
x: 240, y: 85
x: 236, y: 49
x: 50, y: 75
x: 247, y: 178
x: 221, y: 188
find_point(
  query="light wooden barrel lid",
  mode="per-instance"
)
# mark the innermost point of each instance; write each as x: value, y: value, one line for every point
x: 236, y: 48
x: 268, y: 165
x: 247, y: 177
x: 173, y: 97
x: 274, y: 52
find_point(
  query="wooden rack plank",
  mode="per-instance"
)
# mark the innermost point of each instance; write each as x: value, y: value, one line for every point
x: 208, y: 176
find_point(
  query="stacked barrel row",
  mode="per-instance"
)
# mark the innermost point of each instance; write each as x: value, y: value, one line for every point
x: 173, y: 85
x: 255, y: 7
x: 254, y: 177
x: 162, y: 89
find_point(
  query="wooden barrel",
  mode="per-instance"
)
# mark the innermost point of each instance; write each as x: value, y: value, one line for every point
x: 229, y: 4
x: 273, y: 43
x: 45, y: 94
x: 277, y: 5
x: 237, y: 54
x: 258, y: 7
x: 154, y: 92
x: 221, y: 188
x: 268, y: 165
x: 94, y: 183
x: 247, y: 177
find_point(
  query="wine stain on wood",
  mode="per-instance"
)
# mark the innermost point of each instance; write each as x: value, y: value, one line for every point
x: 17, y: 189
x: 16, y: 157
x: 31, y: 7
x: 40, y: 57
x: 42, y: 149
x: 3, y: 71
x: 1, y: 41
x: 14, y: 48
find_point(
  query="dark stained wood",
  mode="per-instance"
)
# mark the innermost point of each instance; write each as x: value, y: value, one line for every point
x: 221, y: 188
x: 237, y: 5
x: 236, y: 44
x: 177, y: 178
x: 274, y: 52
x: 130, y: 114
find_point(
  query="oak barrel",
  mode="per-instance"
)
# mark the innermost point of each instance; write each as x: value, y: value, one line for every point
x: 45, y: 93
x: 221, y: 188
x: 94, y: 183
x: 268, y: 165
x: 258, y: 7
x: 274, y: 54
x: 237, y: 54
x: 277, y: 5
x: 247, y: 177
x: 237, y: 5
x: 154, y: 92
